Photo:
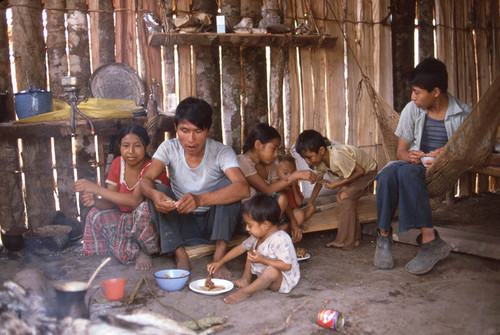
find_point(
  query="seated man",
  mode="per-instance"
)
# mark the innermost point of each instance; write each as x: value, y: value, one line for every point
x: 203, y: 202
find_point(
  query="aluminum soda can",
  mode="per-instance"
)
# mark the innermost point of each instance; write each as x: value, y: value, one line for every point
x: 329, y: 318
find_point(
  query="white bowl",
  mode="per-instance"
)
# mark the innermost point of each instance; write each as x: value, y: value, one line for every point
x: 425, y: 159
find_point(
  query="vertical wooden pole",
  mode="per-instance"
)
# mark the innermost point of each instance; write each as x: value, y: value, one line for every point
x: 11, y: 194
x: 150, y: 55
x: 402, y: 27
x: 382, y: 74
x: 125, y: 32
x: 276, y: 90
x: 169, y: 89
x: 231, y: 82
x: 85, y: 157
x: 6, y: 97
x: 102, y: 32
x: 425, y: 9
x: 253, y: 60
x: 56, y: 46
x: 28, y: 44
x: 319, y: 71
x: 446, y: 39
x: 65, y: 176
x: 335, y: 82
x: 78, y: 40
x: 208, y: 71
x: 186, y: 73
x: 37, y: 168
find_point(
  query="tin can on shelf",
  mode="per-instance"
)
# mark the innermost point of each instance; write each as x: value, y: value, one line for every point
x: 329, y: 318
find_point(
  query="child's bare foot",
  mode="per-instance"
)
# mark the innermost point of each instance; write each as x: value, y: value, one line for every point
x: 242, y: 282
x: 143, y: 261
x: 356, y: 243
x: 182, y: 260
x: 335, y: 244
x: 222, y: 273
x: 236, y: 297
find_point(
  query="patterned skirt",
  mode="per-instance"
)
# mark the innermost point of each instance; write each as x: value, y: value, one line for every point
x: 120, y: 233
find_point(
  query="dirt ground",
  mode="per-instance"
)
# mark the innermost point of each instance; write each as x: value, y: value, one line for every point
x: 461, y: 295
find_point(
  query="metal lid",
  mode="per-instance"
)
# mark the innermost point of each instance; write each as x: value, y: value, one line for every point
x: 117, y: 81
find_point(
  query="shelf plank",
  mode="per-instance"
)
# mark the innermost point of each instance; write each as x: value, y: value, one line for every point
x: 249, y: 40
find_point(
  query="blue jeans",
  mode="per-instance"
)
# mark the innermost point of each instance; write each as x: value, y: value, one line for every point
x: 403, y: 183
x: 178, y: 230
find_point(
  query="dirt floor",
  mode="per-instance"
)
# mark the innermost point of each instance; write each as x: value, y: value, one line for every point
x: 461, y: 295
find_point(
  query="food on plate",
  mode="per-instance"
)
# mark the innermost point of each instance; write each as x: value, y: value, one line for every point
x: 210, y: 286
x: 301, y: 252
x: 209, y: 283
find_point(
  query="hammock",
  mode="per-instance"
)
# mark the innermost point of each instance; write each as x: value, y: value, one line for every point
x: 468, y: 149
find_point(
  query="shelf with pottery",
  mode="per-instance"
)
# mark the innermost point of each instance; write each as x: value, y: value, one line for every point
x: 249, y: 40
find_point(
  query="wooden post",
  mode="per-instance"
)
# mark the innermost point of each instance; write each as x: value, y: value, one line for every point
x: 6, y: 97
x: 170, y: 97
x: 11, y: 194
x: 231, y: 82
x: 446, y: 39
x: 102, y: 34
x: 28, y: 44
x: 208, y: 71
x: 85, y: 157
x: 253, y: 61
x: 151, y: 56
x: 125, y: 32
x: 276, y: 90
x: 56, y: 46
x: 37, y: 168
x: 425, y: 9
x: 78, y: 40
x: 402, y: 27
x: 335, y: 83
x: 65, y: 176
x: 187, y: 76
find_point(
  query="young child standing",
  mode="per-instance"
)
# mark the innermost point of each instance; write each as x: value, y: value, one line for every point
x: 258, y: 163
x: 356, y: 171
x: 270, y: 252
x: 287, y: 166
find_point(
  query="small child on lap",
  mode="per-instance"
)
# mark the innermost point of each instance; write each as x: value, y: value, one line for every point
x: 286, y: 166
x: 270, y: 252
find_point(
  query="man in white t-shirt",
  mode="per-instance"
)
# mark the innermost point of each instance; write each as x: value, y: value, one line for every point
x: 203, y: 203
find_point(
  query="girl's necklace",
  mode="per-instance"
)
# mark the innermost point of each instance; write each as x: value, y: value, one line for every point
x: 125, y: 182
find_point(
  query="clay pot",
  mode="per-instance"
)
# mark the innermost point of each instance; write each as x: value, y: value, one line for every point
x: 46, y: 239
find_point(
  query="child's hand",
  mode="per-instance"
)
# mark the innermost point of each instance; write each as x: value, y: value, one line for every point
x: 306, y: 175
x: 212, y: 267
x: 254, y: 256
x: 331, y: 185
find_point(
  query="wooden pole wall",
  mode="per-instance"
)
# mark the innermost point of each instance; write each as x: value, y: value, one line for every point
x: 6, y: 97
x: 78, y: 41
x: 125, y: 32
x: 231, y: 81
x: 208, y: 71
x: 56, y: 46
x: 102, y: 34
x: 28, y: 44
x: 11, y: 193
x: 187, y: 75
x: 253, y: 63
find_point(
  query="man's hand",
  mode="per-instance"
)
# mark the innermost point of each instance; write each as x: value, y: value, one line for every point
x: 163, y: 203
x: 188, y: 203
x: 414, y: 156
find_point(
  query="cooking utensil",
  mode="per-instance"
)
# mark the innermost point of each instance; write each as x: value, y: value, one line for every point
x: 47, y: 239
x: 97, y: 271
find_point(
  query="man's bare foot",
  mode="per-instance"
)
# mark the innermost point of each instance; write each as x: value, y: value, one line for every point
x: 242, y: 282
x: 143, y: 261
x: 222, y: 273
x: 335, y: 245
x: 236, y: 297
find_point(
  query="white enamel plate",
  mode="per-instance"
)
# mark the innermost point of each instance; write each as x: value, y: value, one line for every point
x: 221, y: 286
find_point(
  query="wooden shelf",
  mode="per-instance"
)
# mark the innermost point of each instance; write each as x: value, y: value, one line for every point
x: 62, y: 128
x: 249, y: 40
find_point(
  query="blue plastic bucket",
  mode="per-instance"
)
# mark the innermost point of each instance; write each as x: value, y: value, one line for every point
x: 32, y: 102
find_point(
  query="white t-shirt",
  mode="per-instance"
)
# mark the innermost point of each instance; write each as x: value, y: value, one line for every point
x: 278, y: 246
x: 201, y: 179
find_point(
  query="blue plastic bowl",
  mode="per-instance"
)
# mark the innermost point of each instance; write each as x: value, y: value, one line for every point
x: 172, y: 279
